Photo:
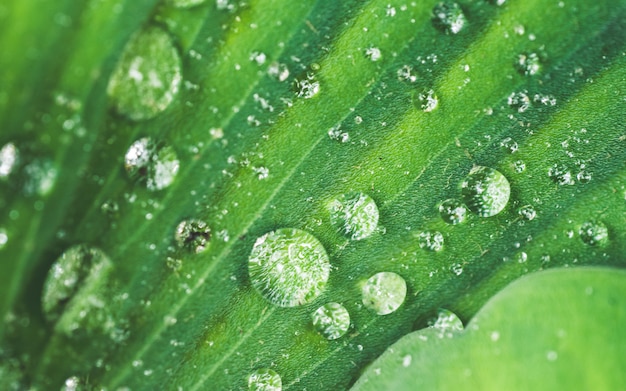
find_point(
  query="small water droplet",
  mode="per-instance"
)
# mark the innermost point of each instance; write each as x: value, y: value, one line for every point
x: 335, y: 133
x: 452, y: 211
x: 583, y: 176
x: 519, y: 166
x: 41, y: 176
x: 354, y: 214
x: 147, y: 77
x: 527, y: 212
x: 278, y: 71
x: 193, y: 235
x: 485, y: 191
x: 446, y: 322
x: 430, y: 240
x: 384, y: 292
x: 594, y: 233
x: 154, y: 164
x: 373, y: 53
x: 519, y: 101
x: 289, y: 267
x: 4, y: 238
x: 307, y: 87
x: 509, y: 145
x: 457, y: 269
x: 528, y: 64
x: 561, y: 175
x: 185, y: 3
x: 71, y: 384
x: 9, y: 157
x: 332, y: 320
x: 448, y: 16
x: 264, y: 379
x: 426, y: 100
x: 406, y: 360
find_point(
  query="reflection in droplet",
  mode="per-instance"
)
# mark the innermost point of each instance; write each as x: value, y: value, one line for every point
x: 485, y: 191
x: 452, y: 211
x: 331, y: 320
x: 354, y: 214
x: 289, y: 267
x: 384, y: 292
x: 193, y: 235
x: 148, y: 75
x: 264, y: 379
x: 150, y: 163
x: 594, y: 233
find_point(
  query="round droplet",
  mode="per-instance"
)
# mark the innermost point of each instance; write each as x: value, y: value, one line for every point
x: 561, y: 175
x: 307, y: 87
x: 150, y: 163
x: 384, y: 292
x: 594, y: 233
x: 78, y: 268
x: 193, y: 235
x: 426, y: 100
x: 264, y: 379
x: 528, y: 64
x: 41, y: 176
x: 430, y: 240
x: 71, y: 384
x: 9, y: 157
x: 289, y: 267
x: 332, y: 320
x: 354, y: 214
x: 185, y: 3
x: 452, y: 211
x: 509, y: 145
x: 147, y: 76
x: 485, y: 191
x: 448, y: 16
x: 527, y: 212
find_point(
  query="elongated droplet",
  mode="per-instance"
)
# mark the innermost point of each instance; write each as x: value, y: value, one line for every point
x: 9, y: 157
x: 448, y: 16
x: 594, y: 233
x: 446, y: 323
x: 289, y: 267
x: 193, y: 235
x: 332, y: 320
x: 150, y: 163
x: 452, y: 211
x: 384, y: 292
x: 485, y: 191
x: 354, y: 214
x: 264, y: 379
x: 148, y: 75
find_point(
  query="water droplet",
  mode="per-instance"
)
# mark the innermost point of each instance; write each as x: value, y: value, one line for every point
x: 151, y: 163
x: 41, y: 176
x: 426, y: 100
x: 485, y: 191
x: 278, y: 71
x: 148, y: 75
x: 452, y: 211
x: 264, y: 379
x: 373, y: 54
x: 406, y: 360
x: 430, y: 240
x: 457, y: 269
x: 289, y: 267
x: 185, y: 3
x: 71, y: 384
x: 335, y: 133
x: 519, y: 166
x: 446, y: 323
x: 9, y: 157
x: 448, y: 16
x: 594, y: 233
x: 519, y: 101
x: 332, y: 320
x: 509, y: 144
x: 4, y: 238
x: 527, y: 212
x: 193, y: 235
x: 384, y: 292
x: 354, y: 214
x: 307, y: 87
x: 561, y: 175
x: 583, y: 176
x: 528, y: 64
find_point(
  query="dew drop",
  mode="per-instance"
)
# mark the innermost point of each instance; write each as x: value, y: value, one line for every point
x: 373, y: 53
x: 151, y: 163
x: 430, y: 240
x: 41, y: 176
x: 289, y: 267
x: 406, y: 360
x: 457, y: 269
x: 594, y: 233
x: 448, y: 16
x: 384, y: 292
x: 331, y: 320
x: 307, y: 87
x: 264, y: 379
x: 519, y: 101
x: 4, y: 238
x: 485, y: 191
x: 9, y: 157
x: 452, y: 211
x: 71, y: 384
x: 528, y: 64
x: 527, y: 212
x: 185, y: 3
x: 193, y: 235
x: 147, y: 77
x: 426, y: 100
x: 446, y: 322
x: 519, y: 166
x: 354, y: 214
x: 509, y: 145
x: 561, y: 175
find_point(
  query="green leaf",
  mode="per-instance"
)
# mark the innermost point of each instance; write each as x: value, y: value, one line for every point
x: 555, y: 330
x: 170, y: 141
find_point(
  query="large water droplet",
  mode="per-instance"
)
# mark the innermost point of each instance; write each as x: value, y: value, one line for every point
x: 384, y: 292
x: 430, y: 240
x: 426, y: 100
x: 448, y: 16
x: 485, y: 191
x: 289, y: 267
x: 193, y: 235
x: 264, y: 379
x: 332, y: 320
x: 354, y: 214
x: 452, y: 211
x: 9, y: 157
x: 147, y: 76
x: 150, y: 163
x: 594, y: 233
